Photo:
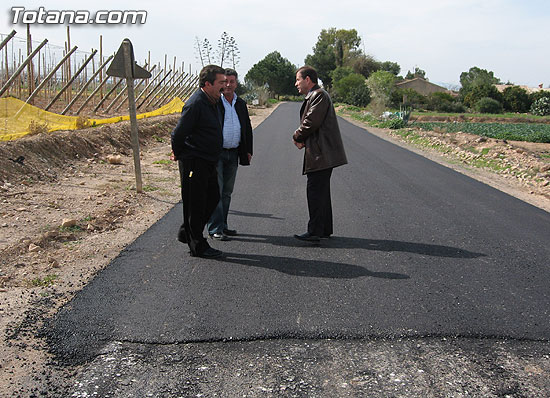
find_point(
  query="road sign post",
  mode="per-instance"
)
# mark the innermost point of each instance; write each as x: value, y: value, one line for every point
x: 124, y: 65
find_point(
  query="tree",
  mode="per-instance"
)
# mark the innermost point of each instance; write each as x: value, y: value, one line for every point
x: 359, y: 96
x: 275, y: 71
x: 417, y: 73
x: 475, y: 77
x: 343, y: 87
x: 516, y: 99
x: 381, y: 85
x: 479, y: 91
x: 476, y: 84
x: 365, y: 65
x: 392, y: 67
x: 334, y: 48
x: 340, y: 72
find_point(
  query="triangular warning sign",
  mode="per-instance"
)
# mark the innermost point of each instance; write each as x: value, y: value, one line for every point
x: 117, y: 66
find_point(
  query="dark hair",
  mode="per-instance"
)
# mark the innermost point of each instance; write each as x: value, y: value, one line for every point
x: 306, y: 71
x: 209, y: 73
x: 231, y: 72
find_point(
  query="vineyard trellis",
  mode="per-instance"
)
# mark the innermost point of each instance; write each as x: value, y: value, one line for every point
x: 68, y: 81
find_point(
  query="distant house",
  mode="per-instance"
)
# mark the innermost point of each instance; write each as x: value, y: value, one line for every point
x: 422, y: 86
x: 530, y: 90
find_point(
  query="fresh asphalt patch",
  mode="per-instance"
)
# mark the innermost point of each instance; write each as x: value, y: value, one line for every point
x: 418, y: 250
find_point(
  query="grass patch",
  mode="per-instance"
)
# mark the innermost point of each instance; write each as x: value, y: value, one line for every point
x: 74, y: 228
x: 158, y: 139
x: 48, y: 280
x: 163, y: 161
x: 150, y: 188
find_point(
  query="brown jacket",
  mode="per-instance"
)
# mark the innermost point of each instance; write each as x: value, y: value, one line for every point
x: 320, y: 132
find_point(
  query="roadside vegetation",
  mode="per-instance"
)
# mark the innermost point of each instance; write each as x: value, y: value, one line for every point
x: 369, y: 90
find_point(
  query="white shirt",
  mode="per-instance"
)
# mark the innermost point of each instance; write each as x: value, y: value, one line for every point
x: 231, y: 124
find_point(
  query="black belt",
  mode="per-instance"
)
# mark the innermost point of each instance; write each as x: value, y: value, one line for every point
x: 230, y: 149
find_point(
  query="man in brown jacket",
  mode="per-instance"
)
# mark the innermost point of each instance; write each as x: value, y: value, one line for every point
x: 320, y: 135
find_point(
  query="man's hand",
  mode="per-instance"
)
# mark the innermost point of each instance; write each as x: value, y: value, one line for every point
x: 249, y: 157
x: 299, y: 145
x: 172, y: 156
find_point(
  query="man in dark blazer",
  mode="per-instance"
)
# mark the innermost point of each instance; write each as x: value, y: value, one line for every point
x: 197, y: 144
x: 320, y: 135
x: 237, y: 149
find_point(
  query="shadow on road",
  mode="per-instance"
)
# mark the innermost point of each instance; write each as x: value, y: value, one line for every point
x: 307, y: 268
x: 257, y: 215
x: 342, y: 242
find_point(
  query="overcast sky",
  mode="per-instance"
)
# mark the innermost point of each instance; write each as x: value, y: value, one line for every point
x: 442, y: 37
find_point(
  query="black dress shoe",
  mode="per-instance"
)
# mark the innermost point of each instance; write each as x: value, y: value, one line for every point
x: 209, y: 253
x: 308, y: 237
x: 230, y: 232
x: 181, y: 235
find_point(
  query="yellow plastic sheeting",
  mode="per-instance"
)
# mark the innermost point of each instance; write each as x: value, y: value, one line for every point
x: 18, y: 119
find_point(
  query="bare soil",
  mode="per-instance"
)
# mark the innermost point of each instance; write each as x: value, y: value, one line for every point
x: 85, y: 180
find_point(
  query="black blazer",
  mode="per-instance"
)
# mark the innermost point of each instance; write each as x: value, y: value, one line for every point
x: 245, y: 146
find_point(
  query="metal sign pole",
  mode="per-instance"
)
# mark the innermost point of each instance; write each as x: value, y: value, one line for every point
x: 132, y: 108
x: 124, y: 66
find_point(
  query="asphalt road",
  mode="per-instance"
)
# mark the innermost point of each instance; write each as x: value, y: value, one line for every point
x: 419, y: 250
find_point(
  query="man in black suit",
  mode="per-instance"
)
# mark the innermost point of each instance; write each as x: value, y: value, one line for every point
x: 237, y: 149
x: 197, y: 143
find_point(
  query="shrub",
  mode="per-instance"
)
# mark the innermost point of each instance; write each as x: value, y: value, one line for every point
x: 343, y: 87
x: 444, y: 102
x: 477, y: 92
x: 381, y: 84
x: 414, y: 98
x: 394, y: 124
x: 488, y: 105
x: 516, y: 99
x: 541, y: 107
x: 538, y: 95
x: 340, y: 72
x: 359, y: 96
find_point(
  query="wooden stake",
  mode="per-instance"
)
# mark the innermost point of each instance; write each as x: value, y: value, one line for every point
x: 69, y: 92
x: 100, y: 61
x: 30, y: 69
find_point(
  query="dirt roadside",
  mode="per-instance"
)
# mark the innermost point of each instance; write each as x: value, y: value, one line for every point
x: 69, y: 207
x: 85, y: 181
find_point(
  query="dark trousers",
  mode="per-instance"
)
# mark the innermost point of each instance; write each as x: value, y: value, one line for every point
x: 319, y: 203
x: 200, y: 195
